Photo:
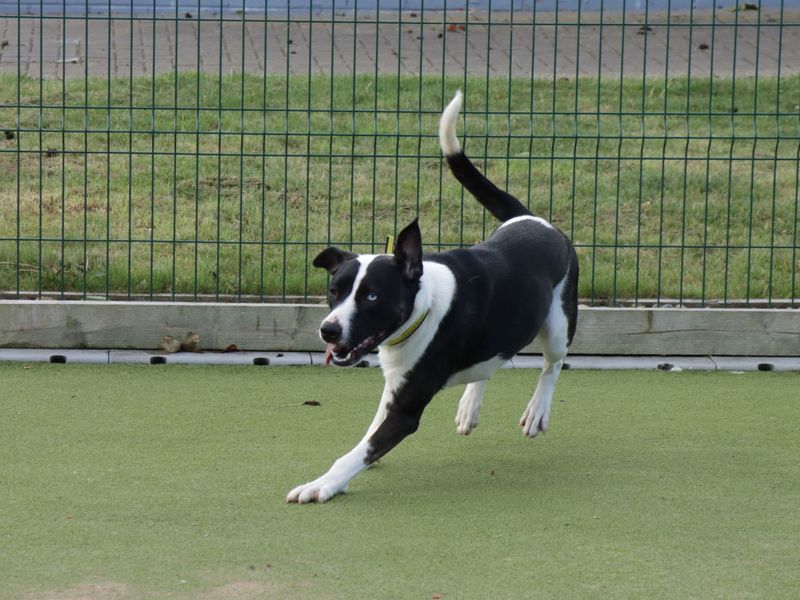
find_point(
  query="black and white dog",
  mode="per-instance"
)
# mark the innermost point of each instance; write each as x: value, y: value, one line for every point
x: 445, y: 319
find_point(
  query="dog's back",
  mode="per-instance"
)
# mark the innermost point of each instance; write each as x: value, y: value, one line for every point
x: 525, y: 257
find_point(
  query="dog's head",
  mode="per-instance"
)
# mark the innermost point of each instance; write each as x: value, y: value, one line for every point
x: 370, y: 296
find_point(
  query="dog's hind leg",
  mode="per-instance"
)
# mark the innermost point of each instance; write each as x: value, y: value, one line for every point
x: 554, y: 337
x: 469, y: 407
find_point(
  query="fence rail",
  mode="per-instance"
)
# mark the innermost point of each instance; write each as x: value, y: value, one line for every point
x: 209, y: 151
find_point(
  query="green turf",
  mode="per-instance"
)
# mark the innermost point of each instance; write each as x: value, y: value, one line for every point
x: 168, y: 482
x: 672, y: 188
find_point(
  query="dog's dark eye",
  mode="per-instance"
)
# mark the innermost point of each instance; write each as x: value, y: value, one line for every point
x: 333, y: 292
x: 372, y: 297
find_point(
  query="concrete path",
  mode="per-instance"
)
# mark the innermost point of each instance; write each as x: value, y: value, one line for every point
x: 743, y: 43
x: 277, y: 359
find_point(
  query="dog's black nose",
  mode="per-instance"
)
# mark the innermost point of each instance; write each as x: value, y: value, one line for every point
x: 330, y: 332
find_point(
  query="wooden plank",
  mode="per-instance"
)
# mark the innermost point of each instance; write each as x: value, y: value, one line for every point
x: 688, y: 331
x: 142, y: 325
x: 293, y: 327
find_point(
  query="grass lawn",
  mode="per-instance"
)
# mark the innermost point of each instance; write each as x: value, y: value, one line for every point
x: 679, y: 188
x: 168, y: 482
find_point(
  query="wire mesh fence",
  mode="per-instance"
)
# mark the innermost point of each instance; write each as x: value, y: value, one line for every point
x: 206, y: 150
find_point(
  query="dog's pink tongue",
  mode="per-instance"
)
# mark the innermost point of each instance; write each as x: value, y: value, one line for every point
x: 328, y: 354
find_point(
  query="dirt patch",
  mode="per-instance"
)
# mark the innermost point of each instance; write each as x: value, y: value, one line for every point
x: 240, y: 590
x: 102, y: 590
x: 112, y: 590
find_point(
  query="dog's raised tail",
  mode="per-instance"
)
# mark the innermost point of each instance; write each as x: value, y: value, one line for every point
x: 501, y: 204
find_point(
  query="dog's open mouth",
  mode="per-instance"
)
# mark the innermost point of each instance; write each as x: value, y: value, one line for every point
x: 345, y: 356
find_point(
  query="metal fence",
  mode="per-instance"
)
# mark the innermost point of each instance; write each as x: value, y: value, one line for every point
x: 206, y: 150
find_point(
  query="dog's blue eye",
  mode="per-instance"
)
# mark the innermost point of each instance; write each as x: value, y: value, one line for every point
x: 372, y: 297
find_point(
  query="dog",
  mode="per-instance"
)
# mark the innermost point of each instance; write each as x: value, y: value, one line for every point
x: 450, y: 318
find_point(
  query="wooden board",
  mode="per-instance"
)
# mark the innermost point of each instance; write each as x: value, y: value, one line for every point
x: 688, y: 332
x: 293, y: 327
x: 142, y: 325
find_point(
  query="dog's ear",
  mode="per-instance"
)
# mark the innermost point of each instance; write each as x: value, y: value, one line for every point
x: 332, y: 258
x: 408, y: 251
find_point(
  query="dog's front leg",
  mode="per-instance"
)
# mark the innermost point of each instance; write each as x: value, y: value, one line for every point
x: 398, y: 416
x: 335, y: 480
x: 346, y: 468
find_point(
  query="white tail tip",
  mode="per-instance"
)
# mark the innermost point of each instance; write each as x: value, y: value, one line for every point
x: 447, y: 127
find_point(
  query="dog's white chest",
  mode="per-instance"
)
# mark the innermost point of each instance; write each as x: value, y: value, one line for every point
x: 478, y: 372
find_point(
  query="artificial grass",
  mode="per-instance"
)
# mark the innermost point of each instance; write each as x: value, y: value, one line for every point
x: 168, y: 482
x: 195, y: 183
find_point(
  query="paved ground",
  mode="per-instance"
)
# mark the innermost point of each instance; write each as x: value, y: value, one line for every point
x: 747, y: 42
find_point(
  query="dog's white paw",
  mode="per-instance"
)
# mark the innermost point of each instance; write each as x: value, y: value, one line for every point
x: 469, y: 408
x: 466, y: 420
x: 466, y: 423
x: 320, y: 490
x: 534, y: 420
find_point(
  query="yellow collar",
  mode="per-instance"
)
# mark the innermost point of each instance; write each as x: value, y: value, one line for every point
x: 408, y: 332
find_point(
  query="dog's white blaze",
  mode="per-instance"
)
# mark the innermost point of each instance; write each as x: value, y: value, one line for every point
x: 539, y: 220
x: 447, y: 127
x: 344, y: 313
x: 437, y: 289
